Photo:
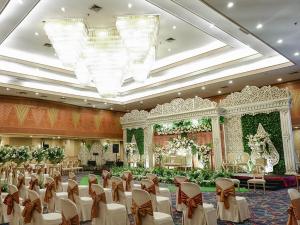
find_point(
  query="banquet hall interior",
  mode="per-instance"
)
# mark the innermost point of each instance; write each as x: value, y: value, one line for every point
x: 149, y: 112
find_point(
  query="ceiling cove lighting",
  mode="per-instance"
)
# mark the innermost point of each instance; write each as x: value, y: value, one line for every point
x: 104, y: 56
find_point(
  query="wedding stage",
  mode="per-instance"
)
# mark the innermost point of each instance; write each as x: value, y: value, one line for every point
x: 273, y: 182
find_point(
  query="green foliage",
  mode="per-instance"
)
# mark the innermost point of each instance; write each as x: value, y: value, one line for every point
x: 55, y: 155
x: 271, y: 123
x: 222, y: 119
x: 203, y: 177
x: 39, y: 154
x: 139, y: 137
x: 4, y: 156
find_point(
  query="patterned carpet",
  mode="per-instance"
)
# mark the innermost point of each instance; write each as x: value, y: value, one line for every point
x: 266, y: 209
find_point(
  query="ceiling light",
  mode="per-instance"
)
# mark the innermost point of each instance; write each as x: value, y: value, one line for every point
x: 30, y: 136
x: 58, y: 137
x: 85, y: 100
x: 279, y: 41
x: 63, y: 9
x: 129, y: 5
x: 105, y: 103
x: 94, y: 106
x: 179, y: 93
x: 230, y: 5
x: 259, y: 26
x: 8, y: 89
x: 196, y: 96
x: 219, y: 92
x: 203, y: 88
x: 169, y: 49
x: 141, y: 102
x: 20, y: 2
x: 211, y: 25
x: 111, y: 108
x: 174, y: 27
x: 296, y: 127
x: 230, y: 82
x: 36, y: 93
x: 296, y: 54
x: 247, y: 86
x: 279, y: 79
x: 36, y: 33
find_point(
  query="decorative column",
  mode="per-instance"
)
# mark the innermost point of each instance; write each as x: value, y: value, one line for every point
x: 217, y: 142
x: 290, y: 156
x: 124, y: 144
x: 148, y: 141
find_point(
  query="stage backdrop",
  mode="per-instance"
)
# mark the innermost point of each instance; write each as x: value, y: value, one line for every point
x: 32, y: 116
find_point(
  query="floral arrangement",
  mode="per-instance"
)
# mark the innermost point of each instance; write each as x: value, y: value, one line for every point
x: 4, y: 156
x: 181, y: 145
x: 131, y: 150
x: 159, y: 151
x: 39, y: 154
x: 184, y: 126
x: 55, y: 155
x: 204, y: 153
x: 19, y: 154
x: 106, y: 146
x: 259, y: 142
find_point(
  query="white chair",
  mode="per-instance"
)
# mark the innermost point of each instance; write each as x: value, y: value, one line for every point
x: 142, y: 210
x: 294, y: 210
x: 127, y: 180
x: 61, y: 192
x: 84, y: 204
x: 177, y: 182
x: 257, y: 179
x: 57, y: 179
x: 106, y: 213
x: 159, y: 203
x: 230, y: 207
x: 120, y: 195
x: 13, y: 208
x: 69, y: 212
x: 203, y: 214
x: 3, y: 209
x: 21, y: 186
x: 49, y: 197
x: 34, y: 184
x: 92, y: 180
x: 162, y: 191
x: 32, y: 212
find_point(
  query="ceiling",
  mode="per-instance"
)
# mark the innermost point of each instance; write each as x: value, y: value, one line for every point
x: 216, y: 49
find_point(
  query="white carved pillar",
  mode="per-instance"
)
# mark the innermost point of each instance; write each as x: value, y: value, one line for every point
x: 217, y: 142
x: 290, y: 157
x: 148, y: 141
x: 124, y: 144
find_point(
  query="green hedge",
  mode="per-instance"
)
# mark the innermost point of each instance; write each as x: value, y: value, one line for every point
x: 139, y: 137
x: 271, y: 124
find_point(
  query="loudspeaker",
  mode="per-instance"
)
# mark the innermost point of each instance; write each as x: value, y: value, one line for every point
x: 115, y: 148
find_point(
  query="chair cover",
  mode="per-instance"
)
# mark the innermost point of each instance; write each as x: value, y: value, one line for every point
x: 230, y: 207
x: 159, y: 203
x: 106, y: 179
x: 34, y: 184
x: 294, y: 209
x: 127, y: 178
x: 92, y: 180
x: 60, y: 193
x: 3, y: 210
x: 195, y: 212
x: 21, y: 186
x: 72, y: 176
x: 143, y: 212
x: 49, y: 197
x: 57, y: 179
x: 161, y: 191
x: 120, y: 195
x: 70, y: 214
x: 84, y: 204
x: 32, y: 212
x: 106, y: 213
x: 177, y: 182
x: 13, y: 208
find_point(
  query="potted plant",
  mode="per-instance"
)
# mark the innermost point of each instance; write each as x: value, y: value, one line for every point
x: 38, y: 154
x: 4, y: 156
x: 19, y: 155
x: 55, y: 155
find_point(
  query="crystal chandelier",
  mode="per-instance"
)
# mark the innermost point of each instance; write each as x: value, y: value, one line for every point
x: 104, y: 56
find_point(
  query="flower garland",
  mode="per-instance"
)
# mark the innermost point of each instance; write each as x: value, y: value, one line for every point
x: 204, y: 152
x: 259, y: 142
x: 159, y: 152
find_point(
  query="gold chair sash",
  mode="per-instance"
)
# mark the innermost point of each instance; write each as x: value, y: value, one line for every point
x: 155, y: 181
x: 21, y: 182
x: 127, y: 180
x: 141, y: 211
x: 73, y: 191
x: 224, y: 195
x: 191, y: 203
x: 57, y: 180
x: 90, y: 185
x: 29, y: 208
x: 105, y: 178
x: 115, y: 190
x: 33, y: 183
x: 96, y: 200
x: 50, y: 187
x: 72, y: 221
x: 150, y: 189
x: 9, y: 200
x: 178, y: 184
x: 294, y: 212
